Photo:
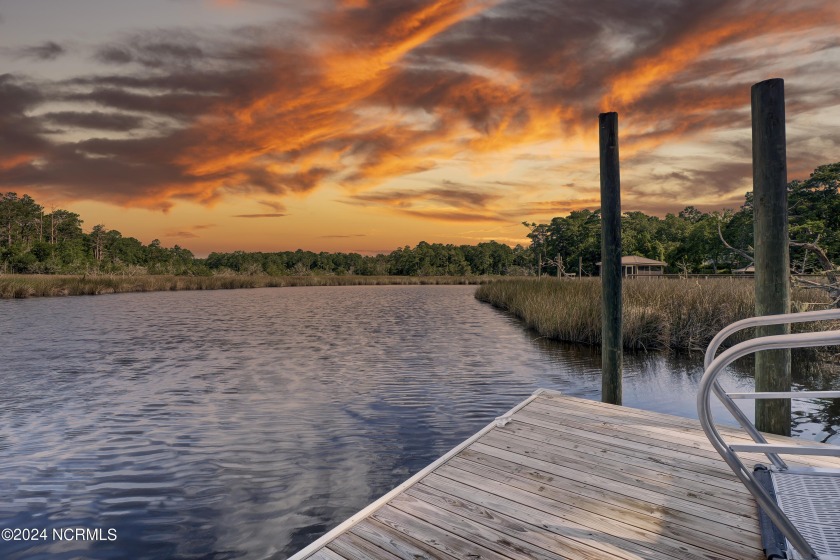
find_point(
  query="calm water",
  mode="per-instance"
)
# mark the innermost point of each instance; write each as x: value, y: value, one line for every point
x: 245, y: 424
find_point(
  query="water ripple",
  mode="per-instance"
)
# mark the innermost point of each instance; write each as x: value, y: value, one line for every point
x: 244, y: 424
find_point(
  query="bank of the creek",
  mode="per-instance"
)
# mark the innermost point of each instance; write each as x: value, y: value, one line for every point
x: 19, y: 286
x: 658, y: 313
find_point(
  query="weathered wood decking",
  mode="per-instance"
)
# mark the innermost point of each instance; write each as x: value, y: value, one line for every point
x: 568, y: 478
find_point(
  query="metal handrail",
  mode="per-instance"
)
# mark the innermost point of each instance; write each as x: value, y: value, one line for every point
x: 708, y: 384
x: 765, y: 320
x: 762, y: 321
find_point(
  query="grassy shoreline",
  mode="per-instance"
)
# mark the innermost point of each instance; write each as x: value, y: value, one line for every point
x: 13, y: 286
x: 682, y: 314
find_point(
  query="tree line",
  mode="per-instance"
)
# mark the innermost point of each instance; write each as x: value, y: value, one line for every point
x: 38, y: 242
x: 33, y: 241
x: 695, y: 242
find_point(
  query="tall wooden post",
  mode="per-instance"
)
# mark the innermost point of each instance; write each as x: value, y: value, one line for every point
x: 580, y: 267
x: 611, y: 345
x: 772, y: 260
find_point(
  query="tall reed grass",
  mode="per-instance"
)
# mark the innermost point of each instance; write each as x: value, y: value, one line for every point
x: 23, y: 286
x: 657, y: 313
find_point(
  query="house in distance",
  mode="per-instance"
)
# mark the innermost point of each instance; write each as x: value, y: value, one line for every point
x: 635, y: 265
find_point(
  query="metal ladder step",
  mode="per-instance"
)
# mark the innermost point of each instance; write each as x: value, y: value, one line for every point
x: 812, y: 502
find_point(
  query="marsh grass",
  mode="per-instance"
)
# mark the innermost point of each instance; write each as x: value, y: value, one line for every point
x: 658, y: 313
x: 23, y: 286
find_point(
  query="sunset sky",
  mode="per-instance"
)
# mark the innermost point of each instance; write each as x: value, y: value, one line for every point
x: 365, y: 125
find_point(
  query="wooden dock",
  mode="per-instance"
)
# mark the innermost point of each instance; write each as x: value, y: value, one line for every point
x: 565, y: 478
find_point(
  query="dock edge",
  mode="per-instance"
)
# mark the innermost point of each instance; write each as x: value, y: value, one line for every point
x: 363, y: 514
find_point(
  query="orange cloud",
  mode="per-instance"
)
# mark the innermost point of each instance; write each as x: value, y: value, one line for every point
x: 319, y: 110
x: 452, y: 216
x: 555, y: 207
x: 361, y: 65
x: 372, y: 91
x: 665, y: 65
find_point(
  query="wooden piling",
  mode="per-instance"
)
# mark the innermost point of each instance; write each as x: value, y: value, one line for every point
x: 772, y: 260
x: 611, y: 344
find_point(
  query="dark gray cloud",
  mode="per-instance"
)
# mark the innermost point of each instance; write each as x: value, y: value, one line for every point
x: 156, y: 50
x: 18, y: 96
x: 713, y: 182
x: 171, y: 104
x: 49, y: 50
x: 453, y: 195
x: 460, y: 195
x: 95, y: 120
x: 114, y: 55
x: 21, y: 136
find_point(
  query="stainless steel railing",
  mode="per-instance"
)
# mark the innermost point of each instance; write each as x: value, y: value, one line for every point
x: 726, y: 399
x: 709, y: 384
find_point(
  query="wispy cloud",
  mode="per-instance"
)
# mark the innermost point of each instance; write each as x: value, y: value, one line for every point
x: 49, y: 50
x: 450, y: 195
x: 189, y: 232
x: 453, y: 216
x: 181, y: 234
x: 274, y: 205
x: 275, y: 215
x: 556, y: 207
x: 94, y: 120
x: 451, y: 202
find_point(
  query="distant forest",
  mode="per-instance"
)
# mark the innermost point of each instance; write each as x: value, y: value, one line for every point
x: 35, y: 242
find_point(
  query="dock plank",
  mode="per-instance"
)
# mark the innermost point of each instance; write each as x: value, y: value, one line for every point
x: 650, y: 467
x: 567, y: 478
x: 688, y: 428
x: 400, y: 545
x: 693, y: 446
x: 326, y: 554
x: 353, y: 547
x: 624, y: 477
x: 557, y: 522
x: 546, y: 501
x: 432, y: 535
x: 674, y: 524
x: 505, y: 524
x: 627, y: 451
x: 466, y: 528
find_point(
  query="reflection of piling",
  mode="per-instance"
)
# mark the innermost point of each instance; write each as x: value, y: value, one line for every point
x: 611, y: 345
x: 772, y: 283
